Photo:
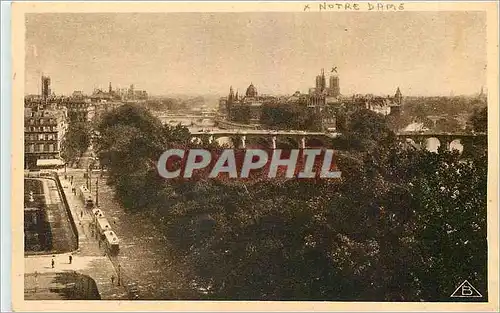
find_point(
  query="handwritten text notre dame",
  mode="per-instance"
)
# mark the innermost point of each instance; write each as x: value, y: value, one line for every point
x: 354, y: 6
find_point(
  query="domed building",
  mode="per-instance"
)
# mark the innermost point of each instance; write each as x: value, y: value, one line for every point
x: 251, y: 91
x: 250, y: 104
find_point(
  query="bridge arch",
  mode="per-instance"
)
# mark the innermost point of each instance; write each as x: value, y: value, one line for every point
x: 260, y: 142
x: 431, y: 144
x: 197, y: 140
x: 286, y: 142
x: 412, y: 142
x: 316, y: 142
x: 224, y: 141
x: 457, y: 144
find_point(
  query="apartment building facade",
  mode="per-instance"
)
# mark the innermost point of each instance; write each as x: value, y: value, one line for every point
x: 44, y: 130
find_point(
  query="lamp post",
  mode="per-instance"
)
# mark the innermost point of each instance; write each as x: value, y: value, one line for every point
x: 97, y: 192
x: 87, y: 178
x: 119, y: 270
x: 90, y: 179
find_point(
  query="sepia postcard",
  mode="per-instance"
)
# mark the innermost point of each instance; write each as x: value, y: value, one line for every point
x: 255, y: 156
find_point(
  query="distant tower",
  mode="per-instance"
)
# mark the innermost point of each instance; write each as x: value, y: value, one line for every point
x: 321, y: 81
x: 318, y: 83
x: 45, y: 87
x: 230, y: 98
x: 131, y: 92
x: 110, y: 88
x: 334, y: 86
x: 398, y: 97
x: 483, y: 94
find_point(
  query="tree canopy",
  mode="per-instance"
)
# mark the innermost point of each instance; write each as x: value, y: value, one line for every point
x: 399, y: 225
x: 479, y: 120
x: 76, y: 140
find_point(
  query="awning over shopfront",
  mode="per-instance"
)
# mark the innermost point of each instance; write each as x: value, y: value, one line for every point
x: 49, y: 162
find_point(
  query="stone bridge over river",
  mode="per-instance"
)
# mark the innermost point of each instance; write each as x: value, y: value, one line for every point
x: 304, y: 139
x: 466, y: 140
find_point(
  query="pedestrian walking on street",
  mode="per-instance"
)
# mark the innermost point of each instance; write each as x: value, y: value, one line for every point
x: 81, y: 214
x: 70, y: 259
x: 53, y: 263
x: 113, y: 280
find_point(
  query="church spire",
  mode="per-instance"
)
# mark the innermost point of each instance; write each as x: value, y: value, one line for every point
x: 398, y: 96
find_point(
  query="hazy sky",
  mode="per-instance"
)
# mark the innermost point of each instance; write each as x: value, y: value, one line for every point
x: 425, y: 53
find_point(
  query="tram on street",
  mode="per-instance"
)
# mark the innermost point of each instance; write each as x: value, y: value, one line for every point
x: 96, y: 213
x: 102, y: 226
x: 86, y: 197
x: 112, y: 242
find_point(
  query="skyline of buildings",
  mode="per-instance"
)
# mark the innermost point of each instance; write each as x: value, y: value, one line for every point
x: 130, y: 93
x: 332, y: 89
x: 322, y: 102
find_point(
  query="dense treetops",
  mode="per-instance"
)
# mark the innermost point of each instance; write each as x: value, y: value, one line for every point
x: 400, y: 225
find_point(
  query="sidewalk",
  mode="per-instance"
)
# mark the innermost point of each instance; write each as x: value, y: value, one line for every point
x: 101, y: 268
x: 89, y: 259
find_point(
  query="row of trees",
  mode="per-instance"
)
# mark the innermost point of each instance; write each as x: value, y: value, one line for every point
x: 298, y: 116
x: 425, y: 106
x: 289, y: 116
x: 164, y: 104
x: 279, y: 116
x: 76, y: 140
x: 400, y: 225
x: 447, y: 113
